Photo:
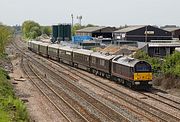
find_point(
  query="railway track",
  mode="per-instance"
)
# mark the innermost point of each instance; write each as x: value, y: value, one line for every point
x: 163, y: 99
x: 30, y: 75
x: 52, y: 96
x: 105, y: 110
x: 160, y: 114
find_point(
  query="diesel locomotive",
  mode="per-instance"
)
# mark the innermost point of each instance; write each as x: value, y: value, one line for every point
x: 131, y: 72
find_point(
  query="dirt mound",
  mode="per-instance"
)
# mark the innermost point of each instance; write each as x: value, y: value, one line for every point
x: 167, y: 82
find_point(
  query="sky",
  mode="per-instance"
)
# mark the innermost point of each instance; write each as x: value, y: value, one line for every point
x: 98, y: 12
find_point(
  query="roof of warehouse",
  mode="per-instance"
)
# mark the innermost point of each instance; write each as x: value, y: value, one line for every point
x: 125, y: 60
x: 105, y: 56
x: 130, y: 28
x: 171, y: 29
x: 91, y: 29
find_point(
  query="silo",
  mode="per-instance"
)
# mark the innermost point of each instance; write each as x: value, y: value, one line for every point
x: 68, y: 32
x: 60, y: 32
x: 64, y: 32
x: 54, y: 33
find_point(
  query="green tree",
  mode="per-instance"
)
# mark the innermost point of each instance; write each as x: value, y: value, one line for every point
x: 47, y: 30
x: 171, y: 64
x: 31, y: 29
x: 5, y: 36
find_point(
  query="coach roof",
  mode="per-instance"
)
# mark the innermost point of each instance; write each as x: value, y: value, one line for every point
x: 83, y: 51
x: 101, y: 55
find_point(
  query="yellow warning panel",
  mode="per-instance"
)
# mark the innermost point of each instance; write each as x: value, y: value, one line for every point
x: 142, y: 76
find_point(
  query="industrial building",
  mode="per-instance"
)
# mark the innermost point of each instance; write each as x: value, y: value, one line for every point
x: 161, y: 48
x: 175, y: 31
x: 142, y: 33
x: 103, y: 32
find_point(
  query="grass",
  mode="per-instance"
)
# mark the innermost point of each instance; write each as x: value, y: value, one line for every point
x: 11, y: 108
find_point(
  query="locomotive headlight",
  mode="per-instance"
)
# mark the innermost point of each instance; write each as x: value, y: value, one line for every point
x: 150, y: 83
x: 137, y: 83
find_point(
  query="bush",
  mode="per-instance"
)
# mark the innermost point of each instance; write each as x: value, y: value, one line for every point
x: 171, y: 64
x: 5, y: 36
x: 11, y: 108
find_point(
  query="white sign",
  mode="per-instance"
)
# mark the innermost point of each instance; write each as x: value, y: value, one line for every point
x: 149, y: 32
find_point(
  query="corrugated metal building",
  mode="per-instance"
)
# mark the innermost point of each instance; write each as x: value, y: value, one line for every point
x: 142, y: 33
x: 174, y: 30
x: 104, y: 32
x: 160, y: 48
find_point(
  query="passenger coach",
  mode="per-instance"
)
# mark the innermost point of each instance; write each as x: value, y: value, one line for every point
x: 101, y: 64
x: 81, y: 58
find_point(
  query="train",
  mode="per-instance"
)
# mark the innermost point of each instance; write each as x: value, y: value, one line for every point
x: 131, y: 72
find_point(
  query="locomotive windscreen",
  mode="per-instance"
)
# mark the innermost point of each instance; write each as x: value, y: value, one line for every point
x: 142, y: 67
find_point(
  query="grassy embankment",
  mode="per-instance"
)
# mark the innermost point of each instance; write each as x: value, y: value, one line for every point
x: 11, y: 108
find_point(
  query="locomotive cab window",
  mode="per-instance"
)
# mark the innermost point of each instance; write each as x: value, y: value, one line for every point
x: 142, y: 67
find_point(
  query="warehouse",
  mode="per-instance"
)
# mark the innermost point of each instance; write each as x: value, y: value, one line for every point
x: 103, y: 32
x: 160, y: 48
x: 142, y: 33
x: 175, y: 31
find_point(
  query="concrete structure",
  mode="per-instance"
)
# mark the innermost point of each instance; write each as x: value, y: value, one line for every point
x: 142, y: 33
x: 103, y: 32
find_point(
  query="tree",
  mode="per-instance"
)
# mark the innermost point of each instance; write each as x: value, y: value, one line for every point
x: 171, y: 64
x: 46, y: 30
x: 5, y: 36
x: 31, y: 29
x: 76, y: 27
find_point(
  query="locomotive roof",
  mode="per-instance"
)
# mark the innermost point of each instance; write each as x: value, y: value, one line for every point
x: 83, y: 51
x: 125, y: 60
x: 101, y: 55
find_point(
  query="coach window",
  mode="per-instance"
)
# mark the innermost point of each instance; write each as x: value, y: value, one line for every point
x: 86, y: 58
x: 93, y: 60
x: 102, y: 62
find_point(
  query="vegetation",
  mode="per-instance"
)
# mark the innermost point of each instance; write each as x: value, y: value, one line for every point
x: 11, y: 108
x: 46, y: 30
x: 171, y: 64
x: 5, y: 36
x: 31, y: 29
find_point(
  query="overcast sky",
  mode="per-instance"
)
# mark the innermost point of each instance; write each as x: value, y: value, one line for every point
x: 100, y: 12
